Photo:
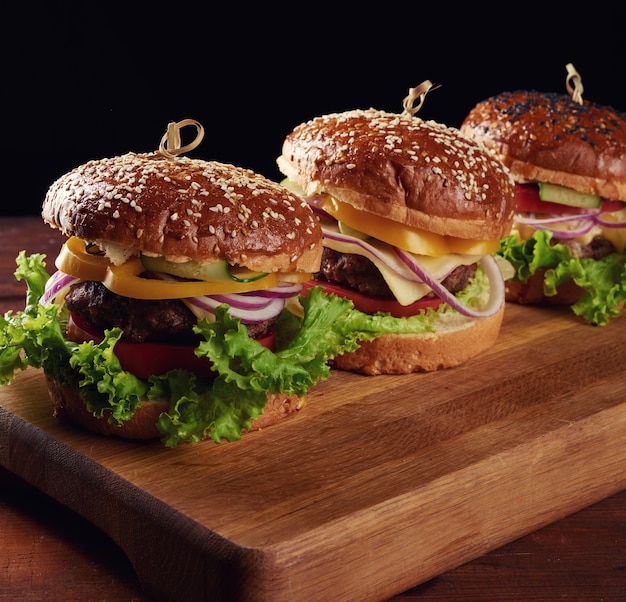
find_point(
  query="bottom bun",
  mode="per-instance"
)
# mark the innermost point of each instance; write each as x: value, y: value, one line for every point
x: 456, y: 340
x: 70, y: 407
x: 531, y: 292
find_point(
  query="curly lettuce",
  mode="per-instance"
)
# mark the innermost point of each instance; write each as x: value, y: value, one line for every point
x: 219, y: 408
x: 604, y: 280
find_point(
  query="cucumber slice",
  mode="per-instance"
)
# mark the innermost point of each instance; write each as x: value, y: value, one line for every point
x: 187, y: 269
x: 292, y: 186
x: 566, y: 196
x: 216, y: 271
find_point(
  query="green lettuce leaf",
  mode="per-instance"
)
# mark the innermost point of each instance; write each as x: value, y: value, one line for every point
x: 200, y: 408
x: 604, y: 280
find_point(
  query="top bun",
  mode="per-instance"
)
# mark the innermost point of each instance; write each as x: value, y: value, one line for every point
x: 182, y: 209
x: 552, y: 138
x: 419, y: 173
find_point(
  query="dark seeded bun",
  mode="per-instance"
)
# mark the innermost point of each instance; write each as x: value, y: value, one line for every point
x: 551, y: 138
x: 184, y: 208
x: 70, y: 407
x: 419, y: 173
x: 456, y: 340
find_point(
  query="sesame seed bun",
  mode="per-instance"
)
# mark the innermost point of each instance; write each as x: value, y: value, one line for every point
x: 420, y: 173
x: 417, y: 173
x: 455, y: 340
x: 182, y: 209
x: 558, y: 139
x: 551, y: 138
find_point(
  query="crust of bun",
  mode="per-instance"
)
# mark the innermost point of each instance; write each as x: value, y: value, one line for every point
x: 185, y: 209
x: 419, y: 173
x: 456, y: 340
x: 551, y: 138
x: 531, y: 292
x: 70, y: 407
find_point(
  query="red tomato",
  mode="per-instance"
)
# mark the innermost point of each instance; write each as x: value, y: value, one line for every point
x: 146, y: 359
x: 527, y: 200
x: 612, y: 205
x: 371, y: 305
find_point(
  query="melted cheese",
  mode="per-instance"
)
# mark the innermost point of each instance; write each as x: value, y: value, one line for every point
x: 616, y: 235
x: 414, y: 240
x: 125, y: 279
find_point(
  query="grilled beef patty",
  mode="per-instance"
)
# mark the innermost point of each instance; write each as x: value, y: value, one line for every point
x: 142, y: 320
x: 360, y: 274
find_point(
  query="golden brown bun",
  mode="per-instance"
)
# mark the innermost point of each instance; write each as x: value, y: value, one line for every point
x: 551, y: 138
x: 70, y: 407
x: 531, y: 292
x: 184, y: 209
x: 419, y: 173
x: 456, y: 340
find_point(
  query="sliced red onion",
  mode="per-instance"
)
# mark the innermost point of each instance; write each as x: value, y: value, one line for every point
x: 492, y: 271
x: 598, y: 219
x: 284, y: 290
x: 579, y: 230
x: 270, y: 310
x: 57, y: 283
x: 241, y: 301
x: 250, y: 307
x: 583, y: 222
x: 580, y: 225
x: 372, y: 251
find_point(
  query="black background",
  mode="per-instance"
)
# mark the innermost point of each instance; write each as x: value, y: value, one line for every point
x: 85, y: 80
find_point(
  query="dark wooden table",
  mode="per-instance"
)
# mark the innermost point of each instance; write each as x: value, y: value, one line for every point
x: 49, y: 553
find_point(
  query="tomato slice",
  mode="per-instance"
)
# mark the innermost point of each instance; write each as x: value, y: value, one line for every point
x: 148, y: 359
x: 371, y: 305
x: 528, y: 201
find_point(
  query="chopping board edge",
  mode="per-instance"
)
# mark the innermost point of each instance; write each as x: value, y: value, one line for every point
x: 141, y: 521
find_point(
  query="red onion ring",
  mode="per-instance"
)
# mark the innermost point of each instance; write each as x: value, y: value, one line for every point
x: 608, y: 224
x: 284, y: 290
x: 207, y: 304
x: 55, y: 284
x: 250, y: 308
x: 371, y: 251
x: 491, y: 269
x: 583, y: 223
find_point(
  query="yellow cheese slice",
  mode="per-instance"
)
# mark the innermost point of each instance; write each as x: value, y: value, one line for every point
x: 125, y: 279
x: 410, y: 239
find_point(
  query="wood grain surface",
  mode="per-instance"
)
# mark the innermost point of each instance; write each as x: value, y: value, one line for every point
x: 401, y: 478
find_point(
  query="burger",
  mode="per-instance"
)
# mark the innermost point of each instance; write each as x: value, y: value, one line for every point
x: 568, y: 159
x: 411, y: 211
x: 163, y: 316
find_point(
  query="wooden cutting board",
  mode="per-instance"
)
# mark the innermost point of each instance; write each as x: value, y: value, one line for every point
x: 379, y: 484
